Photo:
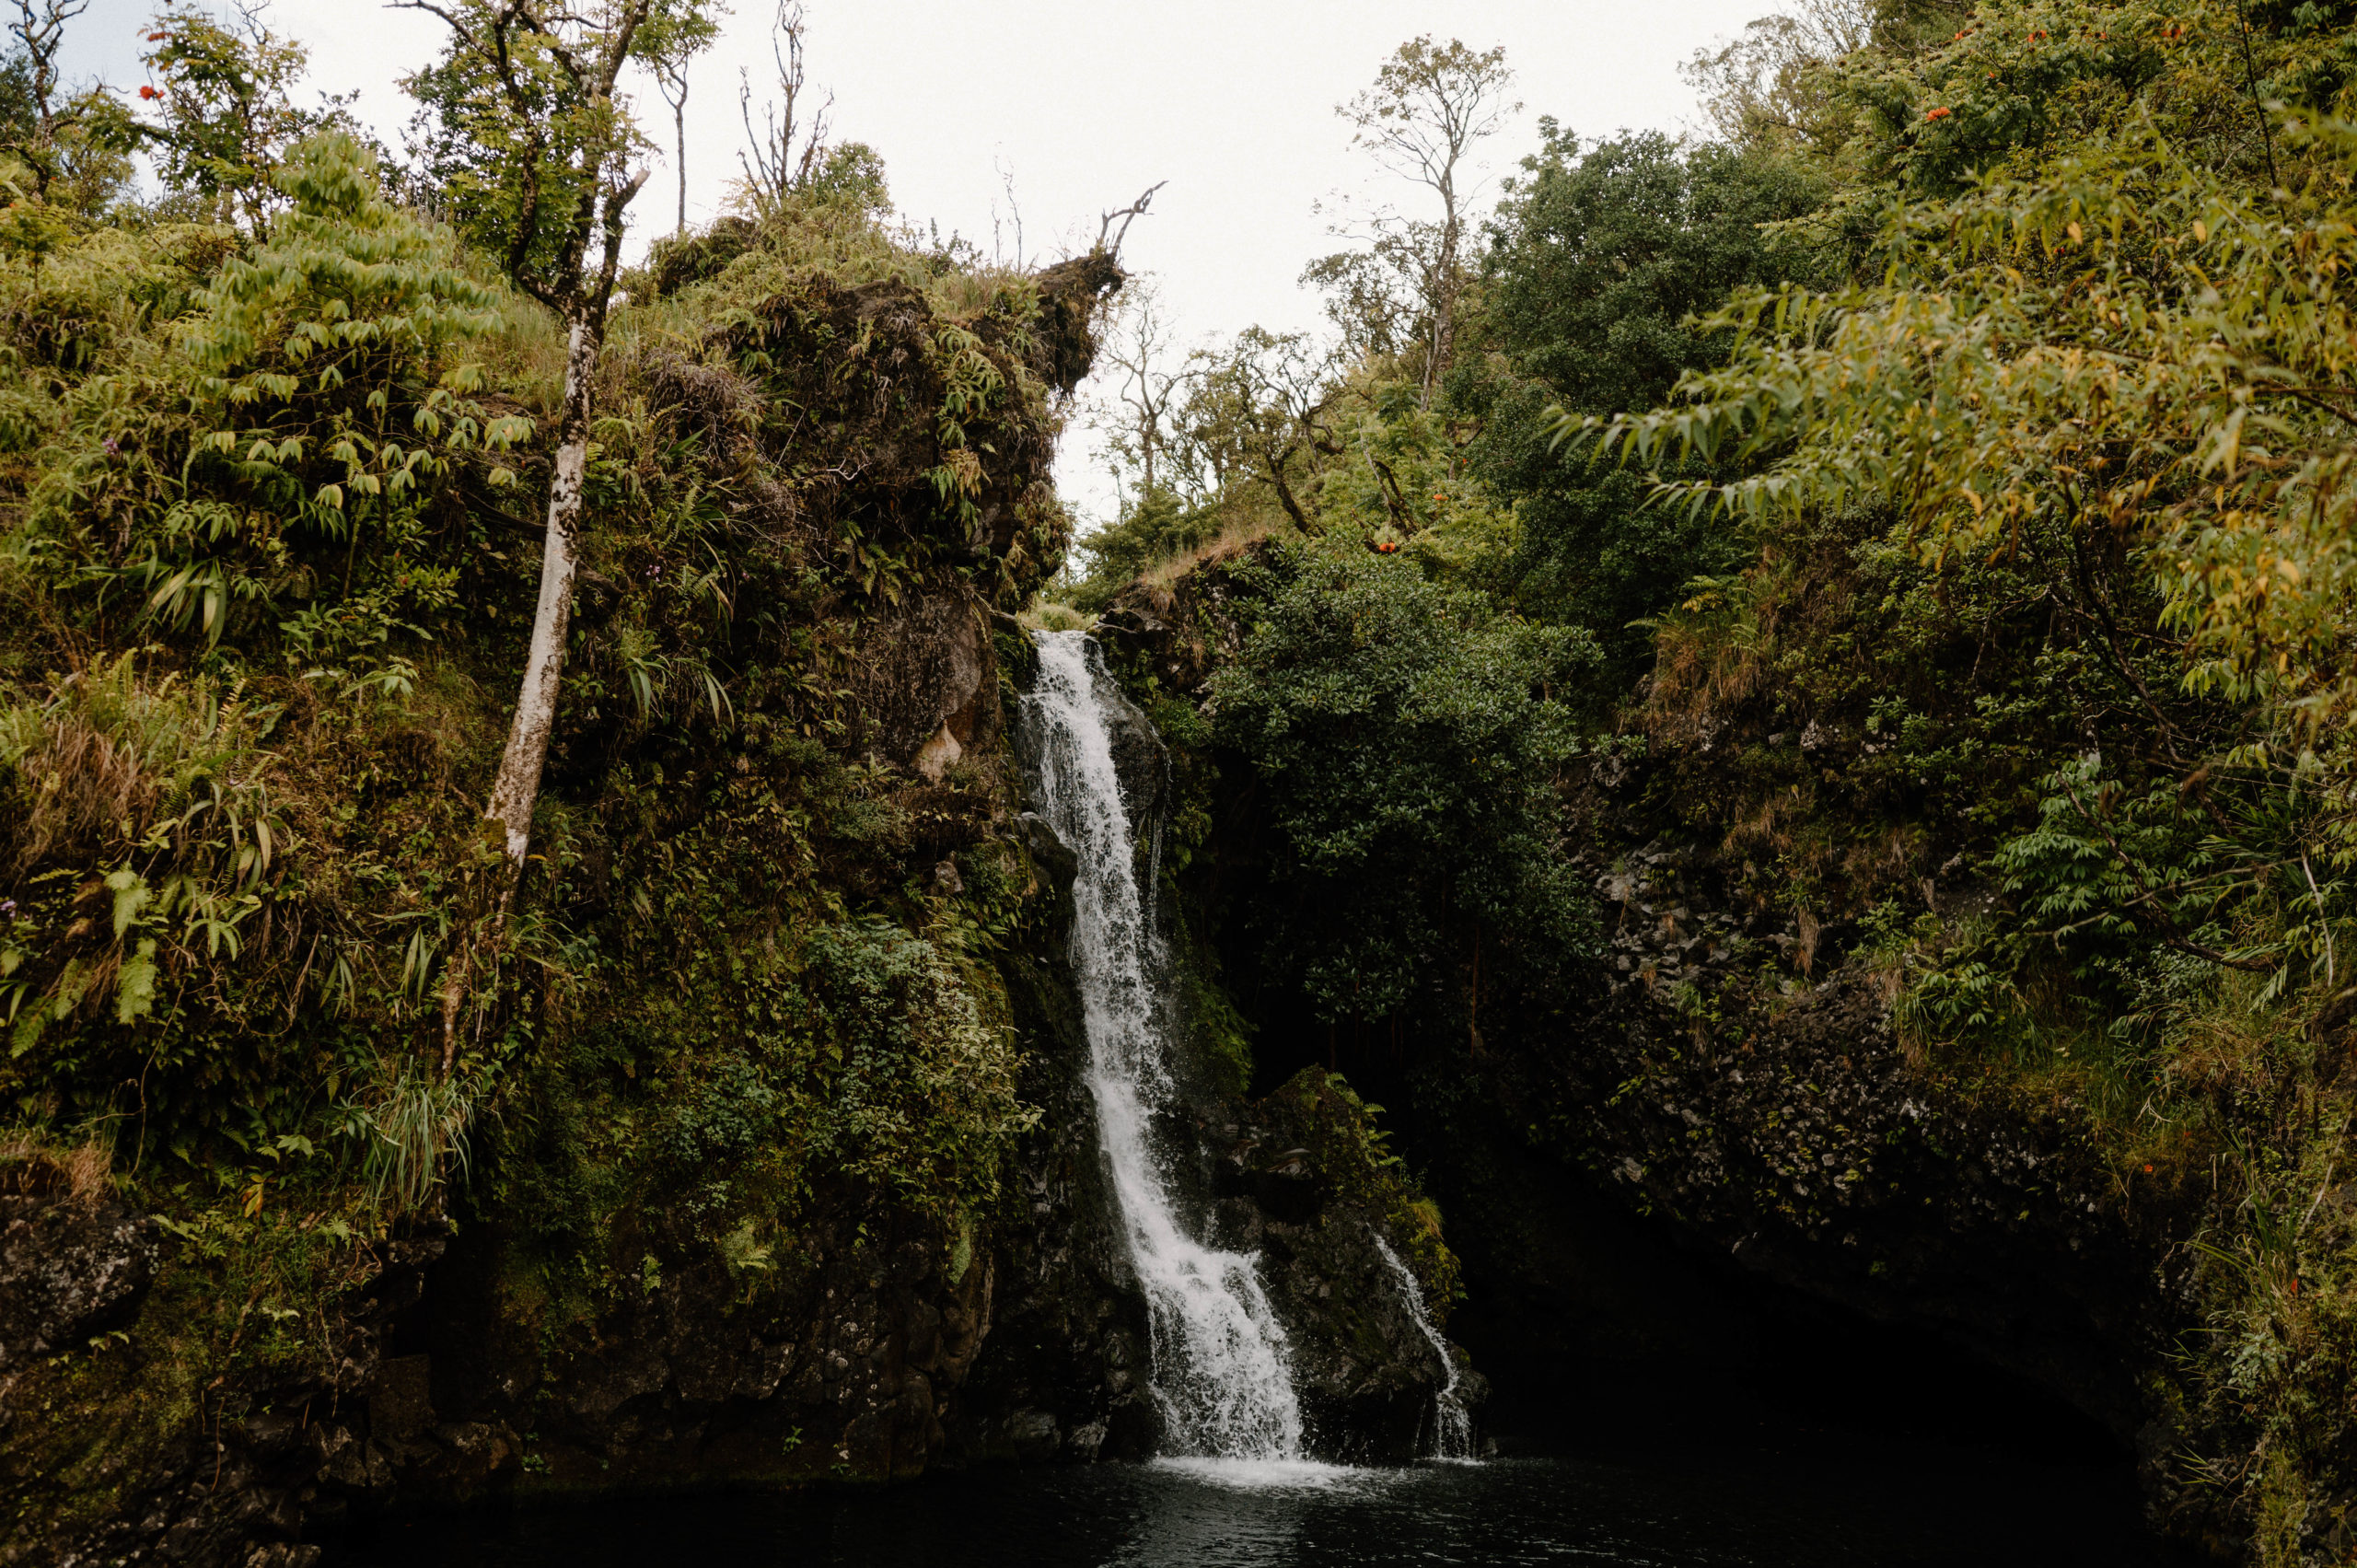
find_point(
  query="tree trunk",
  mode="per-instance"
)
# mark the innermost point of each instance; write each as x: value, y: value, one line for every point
x: 1284, y: 491
x: 518, y: 785
x: 1442, y: 345
x: 680, y: 135
x: 517, y: 788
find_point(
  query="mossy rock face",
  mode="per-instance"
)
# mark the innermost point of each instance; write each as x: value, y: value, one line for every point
x: 1018, y: 657
x: 1066, y: 1373
x: 1788, y: 1126
x: 677, y: 263
x: 1301, y: 1177
x: 666, y: 1265
x: 194, y: 1430
x: 85, y: 1407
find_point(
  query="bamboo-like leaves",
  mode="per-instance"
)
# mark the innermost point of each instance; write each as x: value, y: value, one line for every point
x: 2125, y: 339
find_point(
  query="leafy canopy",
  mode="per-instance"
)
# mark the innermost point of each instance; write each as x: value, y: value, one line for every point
x: 1407, y: 737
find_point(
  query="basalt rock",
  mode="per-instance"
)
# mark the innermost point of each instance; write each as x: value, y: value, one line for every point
x: 70, y: 1271
x: 1786, y: 1125
x: 246, y: 1470
x: 1366, y: 1375
x: 1066, y: 1376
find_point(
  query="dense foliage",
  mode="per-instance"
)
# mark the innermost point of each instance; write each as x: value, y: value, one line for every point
x: 1600, y: 263
x: 1931, y: 505
x: 1408, y: 771
x: 1951, y: 469
x: 272, y: 488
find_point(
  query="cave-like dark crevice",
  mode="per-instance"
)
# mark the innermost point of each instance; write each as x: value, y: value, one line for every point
x: 1590, y: 1319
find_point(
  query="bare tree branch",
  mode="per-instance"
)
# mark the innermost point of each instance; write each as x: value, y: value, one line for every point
x: 1428, y: 105
x: 772, y: 162
x: 40, y: 28
x: 1128, y: 216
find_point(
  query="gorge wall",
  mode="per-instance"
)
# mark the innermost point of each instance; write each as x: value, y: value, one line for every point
x: 782, y: 1169
x: 1712, y: 1170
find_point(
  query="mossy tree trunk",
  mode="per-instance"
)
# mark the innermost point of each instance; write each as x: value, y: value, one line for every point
x: 518, y: 786
x: 537, y: 98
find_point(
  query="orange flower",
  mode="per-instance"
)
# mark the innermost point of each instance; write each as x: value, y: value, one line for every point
x: 2148, y: 1170
x: 157, y: 37
x: 149, y: 93
x: 1939, y: 114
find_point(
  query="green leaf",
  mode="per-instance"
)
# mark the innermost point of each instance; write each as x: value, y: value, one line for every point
x: 132, y: 895
x: 135, y: 987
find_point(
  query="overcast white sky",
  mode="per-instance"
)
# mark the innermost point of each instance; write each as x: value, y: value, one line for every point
x: 1085, y: 103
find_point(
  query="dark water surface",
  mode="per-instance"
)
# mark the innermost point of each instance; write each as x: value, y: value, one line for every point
x: 1803, y: 1501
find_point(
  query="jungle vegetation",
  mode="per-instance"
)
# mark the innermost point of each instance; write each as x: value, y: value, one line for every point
x: 325, y: 466
x: 1935, y: 481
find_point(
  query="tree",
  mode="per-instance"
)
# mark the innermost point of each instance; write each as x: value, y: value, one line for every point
x: 1428, y: 105
x: 788, y: 151
x: 72, y: 150
x: 223, y: 95
x: 1256, y: 405
x: 2204, y: 447
x: 1374, y: 296
x: 39, y: 28
x: 1144, y: 388
x: 1770, y: 86
x: 674, y: 35
x: 542, y: 149
x: 1599, y: 259
x: 1406, y: 749
x: 1237, y: 431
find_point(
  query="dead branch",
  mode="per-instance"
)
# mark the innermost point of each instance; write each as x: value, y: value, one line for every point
x: 1128, y: 216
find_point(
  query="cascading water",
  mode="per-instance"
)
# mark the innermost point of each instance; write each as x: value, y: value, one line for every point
x: 1219, y: 1365
x: 1452, y: 1426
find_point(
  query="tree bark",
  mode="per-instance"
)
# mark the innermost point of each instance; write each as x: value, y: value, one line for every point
x: 518, y: 785
x: 1284, y: 491
x: 516, y: 788
x: 680, y: 135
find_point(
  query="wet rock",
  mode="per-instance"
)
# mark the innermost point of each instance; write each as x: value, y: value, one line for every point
x: 1787, y: 1127
x: 1300, y: 1182
x: 70, y: 1269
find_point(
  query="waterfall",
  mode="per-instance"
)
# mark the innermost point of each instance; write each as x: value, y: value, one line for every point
x: 1452, y: 1427
x: 1219, y: 1364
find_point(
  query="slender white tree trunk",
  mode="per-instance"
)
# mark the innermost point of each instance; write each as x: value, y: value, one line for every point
x: 518, y: 785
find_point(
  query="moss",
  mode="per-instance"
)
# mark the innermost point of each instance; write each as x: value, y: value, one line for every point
x: 735, y: 988
x: 1018, y: 661
x: 99, y: 1426
x: 1318, y: 1110
x: 1222, y: 1035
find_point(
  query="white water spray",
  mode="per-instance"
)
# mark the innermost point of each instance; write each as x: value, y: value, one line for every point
x: 1452, y: 1426
x: 1219, y: 1365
